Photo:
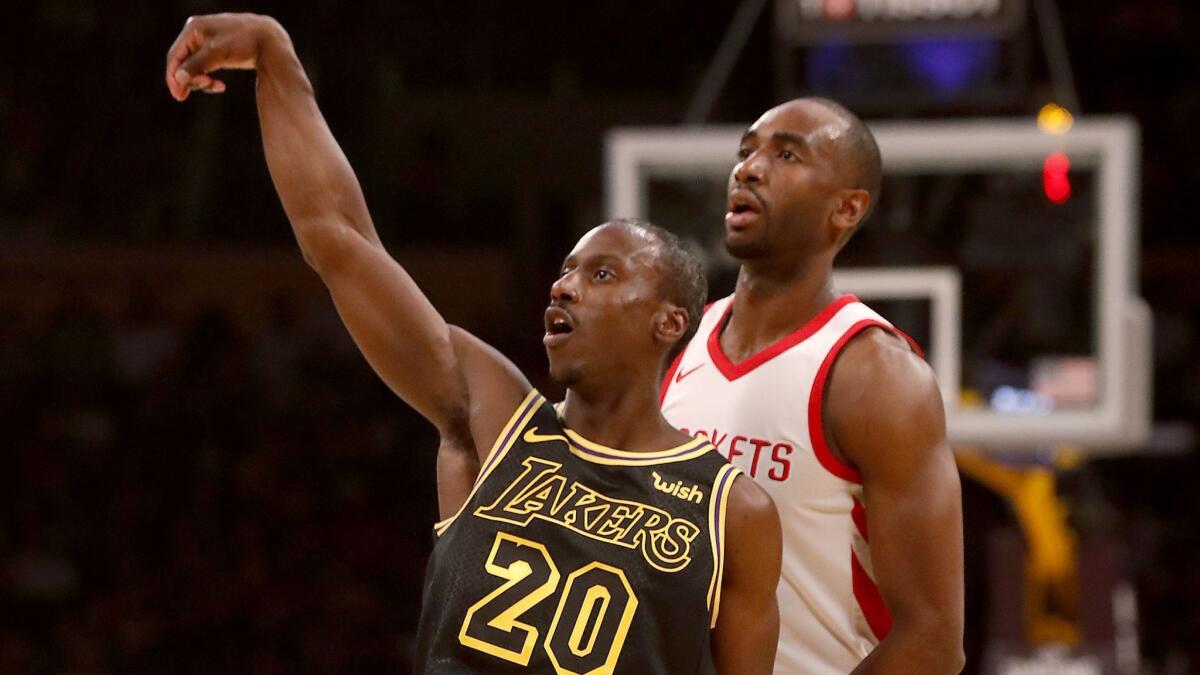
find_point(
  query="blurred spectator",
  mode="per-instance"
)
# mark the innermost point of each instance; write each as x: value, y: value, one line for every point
x: 174, y: 503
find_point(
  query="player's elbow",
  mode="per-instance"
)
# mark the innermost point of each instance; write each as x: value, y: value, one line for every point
x: 950, y: 657
x: 327, y: 245
x: 955, y: 660
x: 944, y: 646
x: 960, y: 660
x: 933, y: 640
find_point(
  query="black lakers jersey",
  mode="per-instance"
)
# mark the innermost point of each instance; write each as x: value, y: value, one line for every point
x: 570, y: 557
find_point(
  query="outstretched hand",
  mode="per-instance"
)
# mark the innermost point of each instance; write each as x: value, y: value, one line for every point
x: 211, y: 43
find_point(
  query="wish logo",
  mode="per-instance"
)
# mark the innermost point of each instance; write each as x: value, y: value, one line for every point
x: 690, y: 493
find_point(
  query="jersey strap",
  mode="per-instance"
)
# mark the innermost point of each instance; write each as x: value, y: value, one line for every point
x: 717, y: 507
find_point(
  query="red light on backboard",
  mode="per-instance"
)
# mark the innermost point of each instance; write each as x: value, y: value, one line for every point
x: 838, y: 10
x: 1056, y: 180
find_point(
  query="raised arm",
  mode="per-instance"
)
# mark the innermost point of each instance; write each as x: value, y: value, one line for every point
x: 885, y: 415
x: 747, y: 630
x: 402, y: 335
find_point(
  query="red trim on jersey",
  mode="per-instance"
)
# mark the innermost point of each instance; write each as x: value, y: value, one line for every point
x: 816, y: 430
x: 733, y: 371
x: 870, y: 600
x: 666, y: 383
x: 858, y: 513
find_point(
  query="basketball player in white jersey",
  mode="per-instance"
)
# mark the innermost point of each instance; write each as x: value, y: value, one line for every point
x: 829, y: 408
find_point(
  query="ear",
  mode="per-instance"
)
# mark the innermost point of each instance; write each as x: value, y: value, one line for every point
x: 851, y: 208
x: 670, y: 323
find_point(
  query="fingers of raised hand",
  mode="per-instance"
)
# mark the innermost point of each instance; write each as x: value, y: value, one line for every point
x: 195, y: 53
x: 182, y: 63
x: 203, y: 82
x: 207, y: 44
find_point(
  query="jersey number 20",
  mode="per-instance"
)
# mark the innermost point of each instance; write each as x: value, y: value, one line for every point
x: 591, y: 622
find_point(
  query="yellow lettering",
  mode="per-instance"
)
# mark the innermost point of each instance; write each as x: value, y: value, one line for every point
x: 541, y: 492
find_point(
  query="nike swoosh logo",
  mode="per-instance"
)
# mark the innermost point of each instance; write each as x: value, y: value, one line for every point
x: 532, y: 436
x: 679, y: 376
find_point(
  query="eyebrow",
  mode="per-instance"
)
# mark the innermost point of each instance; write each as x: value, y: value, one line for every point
x: 784, y: 136
x: 607, y: 259
x: 597, y: 259
x: 788, y: 137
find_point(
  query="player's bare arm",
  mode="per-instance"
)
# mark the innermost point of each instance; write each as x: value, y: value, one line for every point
x: 492, y: 377
x: 747, y: 631
x: 885, y: 415
x: 464, y: 388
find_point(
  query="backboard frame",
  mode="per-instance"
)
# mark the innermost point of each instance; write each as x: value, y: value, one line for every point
x: 1108, y: 145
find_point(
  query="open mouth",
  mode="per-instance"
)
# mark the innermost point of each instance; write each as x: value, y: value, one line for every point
x: 743, y: 201
x: 559, y: 325
x: 744, y: 208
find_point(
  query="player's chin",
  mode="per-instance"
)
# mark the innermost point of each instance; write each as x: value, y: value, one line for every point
x: 745, y: 245
x: 564, y: 363
x: 747, y: 240
x: 564, y: 371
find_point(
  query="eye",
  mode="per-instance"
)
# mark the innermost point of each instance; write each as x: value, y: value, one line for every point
x: 743, y: 153
x: 602, y: 274
x: 787, y: 155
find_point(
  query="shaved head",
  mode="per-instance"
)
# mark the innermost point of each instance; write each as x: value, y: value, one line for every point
x: 859, y: 163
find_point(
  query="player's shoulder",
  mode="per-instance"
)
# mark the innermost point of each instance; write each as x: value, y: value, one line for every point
x: 880, y: 356
x: 754, y: 537
x: 750, y: 506
x: 879, y: 374
x: 879, y: 377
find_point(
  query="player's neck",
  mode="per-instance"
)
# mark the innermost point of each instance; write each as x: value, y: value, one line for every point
x: 624, y: 418
x: 773, y: 300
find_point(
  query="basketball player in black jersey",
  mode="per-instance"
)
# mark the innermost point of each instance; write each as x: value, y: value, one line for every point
x: 590, y: 538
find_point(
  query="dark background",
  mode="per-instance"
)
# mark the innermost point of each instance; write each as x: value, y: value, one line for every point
x: 198, y: 473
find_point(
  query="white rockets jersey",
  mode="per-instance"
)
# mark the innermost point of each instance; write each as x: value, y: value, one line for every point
x: 764, y: 414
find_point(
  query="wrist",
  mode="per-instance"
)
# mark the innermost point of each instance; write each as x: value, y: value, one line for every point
x: 270, y: 39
